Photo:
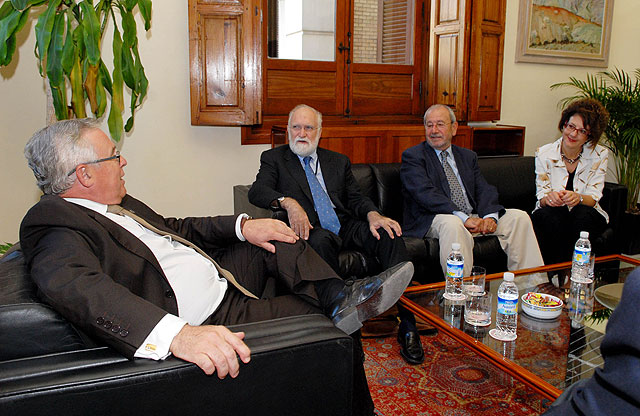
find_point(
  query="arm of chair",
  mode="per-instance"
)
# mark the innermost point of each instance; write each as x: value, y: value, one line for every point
x: 287, y: 354
x: 614, y: 201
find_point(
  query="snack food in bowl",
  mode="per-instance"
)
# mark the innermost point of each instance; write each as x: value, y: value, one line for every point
x: 541, y: 305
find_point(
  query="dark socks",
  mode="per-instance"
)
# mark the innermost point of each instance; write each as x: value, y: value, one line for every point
x: 328, y: 290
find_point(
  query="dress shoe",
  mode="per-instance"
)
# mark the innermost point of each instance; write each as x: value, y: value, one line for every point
x: 410, y: 346
x: 369, y: 297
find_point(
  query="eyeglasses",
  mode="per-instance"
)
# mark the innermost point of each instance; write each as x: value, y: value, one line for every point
x: 296, y: 128
x: 439, y: 125
x: 570, y: 128
x: 116, y: 156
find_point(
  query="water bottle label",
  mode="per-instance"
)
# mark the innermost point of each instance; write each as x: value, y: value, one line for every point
x: 581, y: 256
x: 507, y: 306
x: 454, y: 270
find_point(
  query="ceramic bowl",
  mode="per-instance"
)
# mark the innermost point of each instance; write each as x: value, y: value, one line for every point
x: 541, y: 312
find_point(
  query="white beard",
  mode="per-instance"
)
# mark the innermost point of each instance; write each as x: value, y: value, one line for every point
x: 302, y: 147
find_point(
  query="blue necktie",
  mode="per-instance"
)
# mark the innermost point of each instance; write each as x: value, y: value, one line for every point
x: 326, y: 213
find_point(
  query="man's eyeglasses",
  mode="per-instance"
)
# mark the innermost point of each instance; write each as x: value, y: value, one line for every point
x: 296, y: 128
x: 439, y: 124
x: 116, y: 156
x: 570, y: 128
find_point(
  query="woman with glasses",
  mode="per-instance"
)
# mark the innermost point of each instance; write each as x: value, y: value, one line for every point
x: 570, y: 175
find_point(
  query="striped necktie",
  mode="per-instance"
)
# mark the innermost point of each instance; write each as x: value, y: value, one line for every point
x: 117, y: 209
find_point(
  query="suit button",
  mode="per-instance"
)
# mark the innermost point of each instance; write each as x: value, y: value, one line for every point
x: 168, y: 294
x: 115, y: 329
x: 108, y: 324
x: 100, y: 320
x: 124, y: 333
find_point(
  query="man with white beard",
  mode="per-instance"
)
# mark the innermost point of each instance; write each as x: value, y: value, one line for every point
x: 326, y: 207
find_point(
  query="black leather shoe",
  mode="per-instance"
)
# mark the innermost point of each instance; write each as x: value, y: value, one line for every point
x: 369, y: 297
x: 410, y: 346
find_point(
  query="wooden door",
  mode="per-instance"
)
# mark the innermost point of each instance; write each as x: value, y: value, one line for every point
x: 225, y: 62
x: 485, y: 60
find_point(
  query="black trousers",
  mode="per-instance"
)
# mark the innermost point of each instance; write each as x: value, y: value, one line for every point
x: 558, y: 228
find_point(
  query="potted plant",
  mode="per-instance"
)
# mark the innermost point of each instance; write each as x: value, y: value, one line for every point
x: 620, y: 95
x: 69, y: 37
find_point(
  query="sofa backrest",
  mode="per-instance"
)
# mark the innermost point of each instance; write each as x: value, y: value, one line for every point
x: 513, y: 176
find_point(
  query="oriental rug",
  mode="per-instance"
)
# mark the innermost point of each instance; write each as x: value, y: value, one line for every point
x: 453, y: 380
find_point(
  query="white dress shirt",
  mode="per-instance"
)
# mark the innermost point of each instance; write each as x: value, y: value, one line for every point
x: 195, y: 281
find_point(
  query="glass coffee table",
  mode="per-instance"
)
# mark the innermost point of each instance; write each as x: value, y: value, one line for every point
x: 548, y: 355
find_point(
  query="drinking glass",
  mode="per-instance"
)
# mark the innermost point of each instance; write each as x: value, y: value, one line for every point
x: 474, y: 284
x: 477, y: 309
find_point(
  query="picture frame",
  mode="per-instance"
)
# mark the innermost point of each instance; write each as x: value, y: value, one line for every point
x: 564, y: 32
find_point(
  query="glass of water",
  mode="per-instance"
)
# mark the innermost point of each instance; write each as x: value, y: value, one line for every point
x: 477, y: 309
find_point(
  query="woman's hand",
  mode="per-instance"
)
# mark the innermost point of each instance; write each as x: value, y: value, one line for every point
x: 570, y: 198
x: 552, y: 199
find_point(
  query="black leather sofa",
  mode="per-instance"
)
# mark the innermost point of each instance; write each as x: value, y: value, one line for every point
x: 513, y: 176
x: 299, y: 366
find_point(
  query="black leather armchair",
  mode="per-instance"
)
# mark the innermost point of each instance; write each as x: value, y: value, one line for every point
x: 513, y: 176
x: 299, y: 366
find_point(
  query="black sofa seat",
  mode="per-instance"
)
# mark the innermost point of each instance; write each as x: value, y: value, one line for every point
x: 47, y: 366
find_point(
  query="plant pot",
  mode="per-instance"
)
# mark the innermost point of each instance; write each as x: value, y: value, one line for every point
x: 630, y: 242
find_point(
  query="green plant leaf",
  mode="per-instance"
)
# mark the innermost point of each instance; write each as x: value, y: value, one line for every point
x: 11, y: 41
x: 54, y: 54
x: 8, y: 27
x: 25, y: 4
x: 105, y: 78
x: 117, y: 97
x: 145, y: 11
x: 101, y: 96
x: 69, y: 48
x: 90, y: 82
x: 129, y: 29
x: 43, y: 30
x: 77, y: 89
x: 5, y: 9
x: 59, y: 103
x: 91, y: 31
x: 128, y: 69
x: 143, y: 82
x: 129, y: 4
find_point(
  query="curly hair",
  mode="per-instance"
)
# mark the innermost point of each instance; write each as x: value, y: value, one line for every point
x: 594, y: 116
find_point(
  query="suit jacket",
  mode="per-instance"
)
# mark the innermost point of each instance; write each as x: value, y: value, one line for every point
x: 614, y: 389
x: 552, y: 174
x: 281, y: 174
x: 426, y: 190
x: 102, y: 278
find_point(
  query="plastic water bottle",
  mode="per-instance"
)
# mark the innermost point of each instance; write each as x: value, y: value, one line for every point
x: 507, y: 316
x: 581, y: 255
x: 453, y: 279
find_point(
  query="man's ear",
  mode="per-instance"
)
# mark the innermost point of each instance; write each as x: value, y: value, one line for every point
x: 84, y: 175
x: 454, y: 128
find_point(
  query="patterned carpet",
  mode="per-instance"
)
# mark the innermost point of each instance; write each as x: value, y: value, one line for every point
x: 452, y: 381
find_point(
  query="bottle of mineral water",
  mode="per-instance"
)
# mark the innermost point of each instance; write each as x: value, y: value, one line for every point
x: 455, y: 266
x: 581, y: 254
x: 507, y: 316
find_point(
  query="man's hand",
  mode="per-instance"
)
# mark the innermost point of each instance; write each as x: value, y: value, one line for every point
x: 212, y: 348
x: 488, y: 226
x: 376, y: 221
x: 473, y: 224
x: 262, y: 230
x: 298, y: 218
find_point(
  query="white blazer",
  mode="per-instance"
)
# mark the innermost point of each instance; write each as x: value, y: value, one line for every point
x: 552, y: 175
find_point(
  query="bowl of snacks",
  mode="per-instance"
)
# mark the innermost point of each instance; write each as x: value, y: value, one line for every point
x: 541, y: 305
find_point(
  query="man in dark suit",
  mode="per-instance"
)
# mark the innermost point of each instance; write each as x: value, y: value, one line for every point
x: 151, y: 286
x: 446, y: 197
x: 613, y: 389
x: 325, y: 206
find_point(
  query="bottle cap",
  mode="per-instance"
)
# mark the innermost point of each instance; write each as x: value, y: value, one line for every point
x: 455, y: 246
x: 584, y: 234
x: 508, y: 277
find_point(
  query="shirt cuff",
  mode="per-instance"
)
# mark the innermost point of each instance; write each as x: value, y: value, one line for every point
x: 463, y: 217
x: 493, y: 215
x: 156, y: 345
x: 239, y: 228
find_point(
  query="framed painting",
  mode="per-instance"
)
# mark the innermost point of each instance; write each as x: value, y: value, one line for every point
x: 564, y: 32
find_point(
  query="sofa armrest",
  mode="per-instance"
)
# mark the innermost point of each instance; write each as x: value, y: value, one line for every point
x: 299, y: 365
x: 241, y: 203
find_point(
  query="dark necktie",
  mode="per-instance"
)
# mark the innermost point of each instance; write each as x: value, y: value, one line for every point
x: 117, y: 209
x: 457, y: 195
x: 326, y: 213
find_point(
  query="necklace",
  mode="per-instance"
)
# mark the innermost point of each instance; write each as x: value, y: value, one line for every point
x: 571, y: 161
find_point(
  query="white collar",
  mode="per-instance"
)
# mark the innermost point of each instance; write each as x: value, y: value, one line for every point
x: 87, y: 203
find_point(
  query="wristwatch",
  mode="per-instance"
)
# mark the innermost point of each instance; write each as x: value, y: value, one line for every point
x: 277, y: 203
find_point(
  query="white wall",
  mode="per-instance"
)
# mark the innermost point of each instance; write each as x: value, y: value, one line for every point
x: 182, y: 170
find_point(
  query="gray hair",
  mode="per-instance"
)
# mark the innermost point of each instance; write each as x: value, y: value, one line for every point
x: 298, y: 107
x: 452, y: 115
x: 55, y: 150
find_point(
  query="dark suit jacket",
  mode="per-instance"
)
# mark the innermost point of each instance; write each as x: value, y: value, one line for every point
x: 102, y: 278
x: 426, y: 190
x: 281, y: 174
x: 615, y: 388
